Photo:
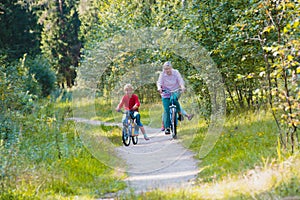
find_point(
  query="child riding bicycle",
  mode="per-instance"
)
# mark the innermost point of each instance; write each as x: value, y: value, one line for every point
x: 131, y: 103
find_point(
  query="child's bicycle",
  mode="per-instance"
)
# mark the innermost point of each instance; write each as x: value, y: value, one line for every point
x: 173, y: 110
x: 130, y: 130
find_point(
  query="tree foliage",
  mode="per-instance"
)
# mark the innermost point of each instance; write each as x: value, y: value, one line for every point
x: 273, y: 32
x: 255, y: 45
x: 60, y: 42
x: 19, y: 31
x: 40, y: 69
x: 252, y: 42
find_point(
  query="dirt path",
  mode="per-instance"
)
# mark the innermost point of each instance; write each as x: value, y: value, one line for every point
x: 159, y: 163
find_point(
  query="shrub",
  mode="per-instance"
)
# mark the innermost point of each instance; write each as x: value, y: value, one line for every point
x: 40, y: 68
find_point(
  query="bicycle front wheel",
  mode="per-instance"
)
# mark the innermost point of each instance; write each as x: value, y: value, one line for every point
x: 125, y: 136
x: 173, y: 123
x: 135, y: 139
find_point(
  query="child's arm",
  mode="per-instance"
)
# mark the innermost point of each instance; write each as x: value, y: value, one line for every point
x: 137, y: 103
x: 135, y: 107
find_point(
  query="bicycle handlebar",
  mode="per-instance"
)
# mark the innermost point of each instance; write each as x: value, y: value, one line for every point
x: 171, y: 91
x: 121, y: 111
x: 124, y: 112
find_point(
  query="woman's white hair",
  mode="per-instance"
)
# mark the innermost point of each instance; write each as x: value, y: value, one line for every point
x: 167, y: 64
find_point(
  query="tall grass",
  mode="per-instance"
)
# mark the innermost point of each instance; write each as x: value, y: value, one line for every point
x: 49, y: 160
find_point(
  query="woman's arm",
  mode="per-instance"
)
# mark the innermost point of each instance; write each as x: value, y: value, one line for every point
x: 180, y: 80
x: 159, y: 82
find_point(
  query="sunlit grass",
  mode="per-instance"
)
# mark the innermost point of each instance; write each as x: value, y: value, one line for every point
x: 264, y: 181
x: 188, y: 131
x: 268, y: 179
x: 245, y: 140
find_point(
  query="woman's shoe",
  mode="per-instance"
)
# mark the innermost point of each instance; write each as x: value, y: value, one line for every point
x: 190, y: 117
x: 180, y: 117
x: 167, y: 132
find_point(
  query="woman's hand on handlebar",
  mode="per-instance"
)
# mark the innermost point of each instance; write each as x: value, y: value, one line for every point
x: 182, y: 88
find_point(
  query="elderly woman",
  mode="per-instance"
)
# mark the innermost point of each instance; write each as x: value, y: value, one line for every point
x: 169, y: 79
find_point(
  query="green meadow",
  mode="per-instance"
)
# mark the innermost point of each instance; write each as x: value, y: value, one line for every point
x: 52, y: 161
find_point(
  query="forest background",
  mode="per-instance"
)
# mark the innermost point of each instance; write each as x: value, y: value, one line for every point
x: 43, y: 44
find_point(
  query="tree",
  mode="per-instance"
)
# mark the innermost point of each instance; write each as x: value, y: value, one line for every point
x: 60, y: 35
x: 60, y: 38
x: 272, y: 27
x: 19, y: 31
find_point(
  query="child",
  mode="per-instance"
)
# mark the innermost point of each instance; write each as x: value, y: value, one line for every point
x: 131, y: 103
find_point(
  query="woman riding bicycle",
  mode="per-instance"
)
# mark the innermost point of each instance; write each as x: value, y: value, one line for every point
x: 131, y: 104
x: 169, y: 79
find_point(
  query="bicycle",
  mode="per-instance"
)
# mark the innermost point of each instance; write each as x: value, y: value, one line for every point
x: 173, y: 111
x: 130, y: 129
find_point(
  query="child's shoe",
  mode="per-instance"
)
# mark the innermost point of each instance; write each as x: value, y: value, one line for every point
x: 146, y: 137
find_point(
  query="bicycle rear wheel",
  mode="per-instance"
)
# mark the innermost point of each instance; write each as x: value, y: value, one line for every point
x: 125, y: 136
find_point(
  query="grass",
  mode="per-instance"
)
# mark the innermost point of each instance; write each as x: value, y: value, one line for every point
x: 51, y: 161
x: 246, y: 139
x: 271, y: 181
x: 247, y: 150
x: 245, y: 162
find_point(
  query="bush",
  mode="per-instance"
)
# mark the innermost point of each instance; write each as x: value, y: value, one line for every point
x: 40, y: 68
